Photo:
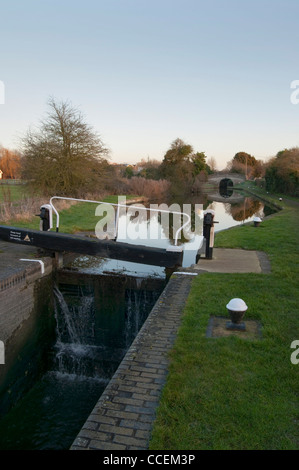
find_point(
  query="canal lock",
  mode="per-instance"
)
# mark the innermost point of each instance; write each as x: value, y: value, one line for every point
x: 86, y: 323
x: 75, y: 327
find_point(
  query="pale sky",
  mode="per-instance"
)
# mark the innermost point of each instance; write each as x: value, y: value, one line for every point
x: 216, y: 74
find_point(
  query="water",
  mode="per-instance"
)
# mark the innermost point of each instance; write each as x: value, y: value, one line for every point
x: 231, y: 209
x: 76, y: 351
x: 73, y: 384
x: 39, y: 421
x: 93, y: 334
x: 232, y: 214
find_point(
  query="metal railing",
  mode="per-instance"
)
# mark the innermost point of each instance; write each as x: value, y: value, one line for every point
x: 118, y: 206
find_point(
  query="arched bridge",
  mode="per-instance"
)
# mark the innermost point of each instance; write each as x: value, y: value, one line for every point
x: 235, y: 178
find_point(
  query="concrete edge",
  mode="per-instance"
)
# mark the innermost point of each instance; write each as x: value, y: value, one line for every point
x: 123, y: 417
x: 29, y: 273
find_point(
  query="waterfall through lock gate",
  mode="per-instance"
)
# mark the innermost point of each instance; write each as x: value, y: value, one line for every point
x: 75, y: 349
x: 96, y: 320
x: 86, y: 344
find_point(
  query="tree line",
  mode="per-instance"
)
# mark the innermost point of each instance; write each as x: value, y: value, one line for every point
x: 67, y: 157
x: 282, y: 172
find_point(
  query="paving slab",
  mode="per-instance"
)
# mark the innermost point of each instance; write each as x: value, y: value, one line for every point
x: 226, y: 260
x: 10, y: 256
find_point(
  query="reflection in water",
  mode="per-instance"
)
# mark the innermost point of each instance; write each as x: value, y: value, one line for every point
x: 247, y: 209
x: 229, y: 211
x: 237, y: 209
x: 226, y: 188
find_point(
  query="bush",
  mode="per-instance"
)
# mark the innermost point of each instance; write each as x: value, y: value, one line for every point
x: 282, y: 173
x: 153, y: 189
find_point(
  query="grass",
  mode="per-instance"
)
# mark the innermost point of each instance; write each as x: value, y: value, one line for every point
x: 12, y: 192
x: 233, y: 393
x: 79, y: 217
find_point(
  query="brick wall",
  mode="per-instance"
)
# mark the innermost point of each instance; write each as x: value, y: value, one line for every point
x: 17, y: 298
x: 26, y: 322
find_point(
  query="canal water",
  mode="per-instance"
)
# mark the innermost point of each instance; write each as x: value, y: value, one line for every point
x: 96, y: 319
x: 235, y: 208
x: 99, y: 306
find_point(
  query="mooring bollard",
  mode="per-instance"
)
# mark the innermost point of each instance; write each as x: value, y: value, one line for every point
x: 257, y: 221
x: 46, y: 216
x: 208, y: 232
x: 236, y: 309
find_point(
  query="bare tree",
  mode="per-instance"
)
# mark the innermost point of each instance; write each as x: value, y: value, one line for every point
x: 64, y: 156
x: 212, y: 164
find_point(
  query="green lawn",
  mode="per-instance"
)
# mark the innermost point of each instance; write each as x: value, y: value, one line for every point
x: 234, y: 393
x: 12, y: 192
x: 80, y: 217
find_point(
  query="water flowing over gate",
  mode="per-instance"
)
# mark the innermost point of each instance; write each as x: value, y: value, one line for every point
x: 97, y: 318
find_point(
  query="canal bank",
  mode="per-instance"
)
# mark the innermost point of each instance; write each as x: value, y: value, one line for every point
x: 125, y: 412
x: 123, y: 417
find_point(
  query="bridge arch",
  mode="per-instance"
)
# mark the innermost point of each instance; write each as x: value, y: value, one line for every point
x: 226, y: 183
x: 226, y: 187
x: 216, y: 178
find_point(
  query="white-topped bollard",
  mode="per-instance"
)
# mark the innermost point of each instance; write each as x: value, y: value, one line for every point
x: 257, y: 221
x: 236, y: 309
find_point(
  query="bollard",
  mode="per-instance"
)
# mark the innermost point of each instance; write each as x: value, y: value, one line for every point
x: 46, y: 216
x: 208, y: 232
x: 236, y: 309
x: 257, y: 221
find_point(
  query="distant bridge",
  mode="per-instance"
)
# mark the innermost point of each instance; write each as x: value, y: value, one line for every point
x: 235, y: 178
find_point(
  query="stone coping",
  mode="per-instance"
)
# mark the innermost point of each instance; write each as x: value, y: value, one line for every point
x: 124, y: 415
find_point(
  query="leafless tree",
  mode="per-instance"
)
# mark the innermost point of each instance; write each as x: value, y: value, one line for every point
x: 64, y: 156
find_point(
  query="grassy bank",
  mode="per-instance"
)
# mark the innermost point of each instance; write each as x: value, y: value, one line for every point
x: 78, y: 217
x: 234, y: 393
x: 12, y: 192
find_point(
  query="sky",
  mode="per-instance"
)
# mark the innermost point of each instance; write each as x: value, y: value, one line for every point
x: 216, y: 74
